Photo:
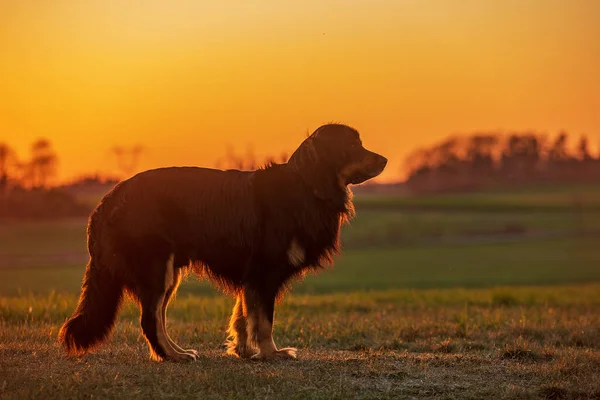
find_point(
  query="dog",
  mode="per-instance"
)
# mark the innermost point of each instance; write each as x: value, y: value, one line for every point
x: 250, y: 232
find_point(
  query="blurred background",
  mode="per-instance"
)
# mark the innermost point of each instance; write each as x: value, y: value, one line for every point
x: 488, y: 112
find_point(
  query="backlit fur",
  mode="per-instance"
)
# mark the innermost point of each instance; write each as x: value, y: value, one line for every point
x: 249, y: 232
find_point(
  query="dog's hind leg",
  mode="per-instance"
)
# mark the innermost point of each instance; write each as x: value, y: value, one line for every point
x: 152, y: 299
x: 172, y: 283
x: 238, y: 343
x: 260, y: 305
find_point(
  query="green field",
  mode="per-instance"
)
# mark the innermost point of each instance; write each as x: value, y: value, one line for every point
x: 535, y: 262
x: 383, y: 249
x: 536, y: 198
x: 488, y: 295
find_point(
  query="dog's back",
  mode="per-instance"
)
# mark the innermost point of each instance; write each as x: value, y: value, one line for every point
x: 179, y: 204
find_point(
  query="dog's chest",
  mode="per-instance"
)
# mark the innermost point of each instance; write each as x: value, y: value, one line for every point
x: 309, y: 244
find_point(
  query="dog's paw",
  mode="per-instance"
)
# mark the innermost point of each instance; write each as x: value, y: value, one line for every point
x: 191, y: 352
x: 237, y: 350
x: 182, y: 357
x: 288, y: 353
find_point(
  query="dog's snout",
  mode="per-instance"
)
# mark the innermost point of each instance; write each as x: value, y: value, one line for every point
x: 380, y: 161
x: 377, y: 160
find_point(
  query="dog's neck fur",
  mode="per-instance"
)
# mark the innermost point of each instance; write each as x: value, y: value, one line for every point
x: 341, y: 195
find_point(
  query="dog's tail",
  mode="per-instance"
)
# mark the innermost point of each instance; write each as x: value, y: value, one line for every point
x: 94, y: 318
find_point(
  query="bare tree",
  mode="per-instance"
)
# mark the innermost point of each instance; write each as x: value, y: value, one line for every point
x: 249, y: 161
x: 43, y: 164
x: 230, y: 160
x: 583, y: 149
x: 6, y: 155
x: 127, y: 158
x: 7, y: 160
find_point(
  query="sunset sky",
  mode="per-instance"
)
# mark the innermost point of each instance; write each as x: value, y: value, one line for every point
x: 185, y: 78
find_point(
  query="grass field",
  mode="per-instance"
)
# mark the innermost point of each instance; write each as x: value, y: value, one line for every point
x: 488, y: 295
x: 449, y: 343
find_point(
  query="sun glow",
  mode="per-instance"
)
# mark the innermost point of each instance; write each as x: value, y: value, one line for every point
x: 187, y: 78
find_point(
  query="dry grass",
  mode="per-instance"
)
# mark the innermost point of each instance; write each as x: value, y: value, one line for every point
x: 499, y: 343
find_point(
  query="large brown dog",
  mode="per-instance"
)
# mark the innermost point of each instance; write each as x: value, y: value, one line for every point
x: 250, y: 232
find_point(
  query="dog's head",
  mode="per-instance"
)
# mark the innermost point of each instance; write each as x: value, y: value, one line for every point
x: 334, y: 157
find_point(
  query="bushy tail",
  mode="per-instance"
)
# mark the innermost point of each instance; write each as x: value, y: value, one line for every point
x: 94, y: 318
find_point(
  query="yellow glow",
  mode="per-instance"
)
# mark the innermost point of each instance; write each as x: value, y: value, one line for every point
x: 185, y: 78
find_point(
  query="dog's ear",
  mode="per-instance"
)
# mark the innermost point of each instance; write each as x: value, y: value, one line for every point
x: 310, y: 164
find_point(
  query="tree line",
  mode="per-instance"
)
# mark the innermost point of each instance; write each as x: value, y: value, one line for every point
x: 482, y: 160
x: 35, y: 172
x: 39, y: 170
x: 25, y: 185
x: 466, y: 162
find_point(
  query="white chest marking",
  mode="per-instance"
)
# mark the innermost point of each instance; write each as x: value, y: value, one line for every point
x: 296, y: 254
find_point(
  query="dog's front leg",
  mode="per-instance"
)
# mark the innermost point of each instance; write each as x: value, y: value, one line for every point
x: 260, y: 308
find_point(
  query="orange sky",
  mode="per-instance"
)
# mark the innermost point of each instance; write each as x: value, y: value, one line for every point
x: 185, y: 78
